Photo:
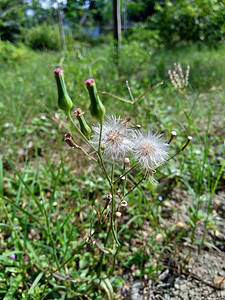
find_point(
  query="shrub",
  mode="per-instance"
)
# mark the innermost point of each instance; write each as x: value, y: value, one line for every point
x: 185, y: 20
x: 85, y: 35
x: 148, y: 39
x: 43, y: 37
x: 9, y: 52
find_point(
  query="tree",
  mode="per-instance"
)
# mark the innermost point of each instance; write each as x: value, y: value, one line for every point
x: 74, y: 11
x: 18, y: 14
x: 140, y: 10
x: 12, y: 16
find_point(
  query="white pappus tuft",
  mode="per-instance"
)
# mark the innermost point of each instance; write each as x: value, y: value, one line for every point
x: 116, y: 138
x: 149, y: 150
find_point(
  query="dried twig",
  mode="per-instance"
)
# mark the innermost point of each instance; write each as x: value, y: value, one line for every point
x: 68, y: 138
x: 129, y: 90
x: 135, y: 100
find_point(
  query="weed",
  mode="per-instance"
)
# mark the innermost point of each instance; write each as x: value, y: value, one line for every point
x: 48, y: 193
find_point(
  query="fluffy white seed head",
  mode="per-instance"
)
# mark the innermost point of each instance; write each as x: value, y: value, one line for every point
x: 149, y: 150
x: 116, y: 138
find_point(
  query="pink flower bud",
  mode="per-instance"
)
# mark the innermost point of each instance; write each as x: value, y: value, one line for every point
x: 78, y: 112
x: 85, y: 129
x: 64, y: 101
x: 58, y: 71
x: 90, y: 81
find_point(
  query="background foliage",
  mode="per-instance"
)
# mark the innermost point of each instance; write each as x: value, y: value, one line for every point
x: 174, y: 21
x: 42, y: 37
x: 187, y: 21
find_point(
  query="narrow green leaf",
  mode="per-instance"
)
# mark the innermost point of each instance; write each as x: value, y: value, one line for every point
x: 27, y: 188
x: 31, y: 249
x: 218, y: 178
x: 22, y: 210
x: 54, y: 189
x: 105, y: 287
x: 128, y: 223
x: 37, y: 279
x: 68, y: 217
x: 109, y: 285
x: 1, y: 177
x: 193, y: 125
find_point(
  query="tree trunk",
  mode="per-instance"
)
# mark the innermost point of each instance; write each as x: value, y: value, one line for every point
x: 117, y: 23
x: 61, y: 31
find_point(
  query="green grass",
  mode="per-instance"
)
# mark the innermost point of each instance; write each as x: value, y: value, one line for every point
x: 48, y: 189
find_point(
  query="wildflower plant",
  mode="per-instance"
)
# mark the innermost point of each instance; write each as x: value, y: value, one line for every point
x: 178, y: 78
x: 118, y: 145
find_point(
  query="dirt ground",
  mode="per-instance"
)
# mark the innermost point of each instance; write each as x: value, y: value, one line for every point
x: 187, y: 274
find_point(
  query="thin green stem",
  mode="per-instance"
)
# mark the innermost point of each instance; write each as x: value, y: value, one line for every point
x: 98, y: 152
x: 103, y: 254
x: 100, y: 137
x: 134, y: 187
x: 113, y: 268
x: 124, y: 174
x: 81, y: 134
x: 124, y: 184
x: 110, y: 181
x: 111, y: 227
x: 100, y: 155
x: 112, y: 175
x: 100, y: 160
x: 112, y: 208
x: 195, y: 220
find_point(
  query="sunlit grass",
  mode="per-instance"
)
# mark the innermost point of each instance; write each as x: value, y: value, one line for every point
x: 48, y: 195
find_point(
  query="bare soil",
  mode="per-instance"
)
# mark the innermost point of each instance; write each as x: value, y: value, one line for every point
x: 187, y: 274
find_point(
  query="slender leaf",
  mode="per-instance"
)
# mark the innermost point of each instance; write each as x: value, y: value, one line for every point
x: 27, y: 188
x: 37, y: 279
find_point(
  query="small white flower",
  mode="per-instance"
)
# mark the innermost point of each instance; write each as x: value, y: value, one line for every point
x: 149, y: 150
x: 116, y: 138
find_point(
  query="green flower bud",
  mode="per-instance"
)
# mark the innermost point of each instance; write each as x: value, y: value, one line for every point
x: 64, y: 101
x: 103, y: 147
x: 85, y: 129
x: 97, y: 108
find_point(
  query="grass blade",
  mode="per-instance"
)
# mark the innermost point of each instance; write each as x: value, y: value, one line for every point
x: 1, y: 177
x: 22, y: 210
x: 27, y: 188
x: 37, y: 279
